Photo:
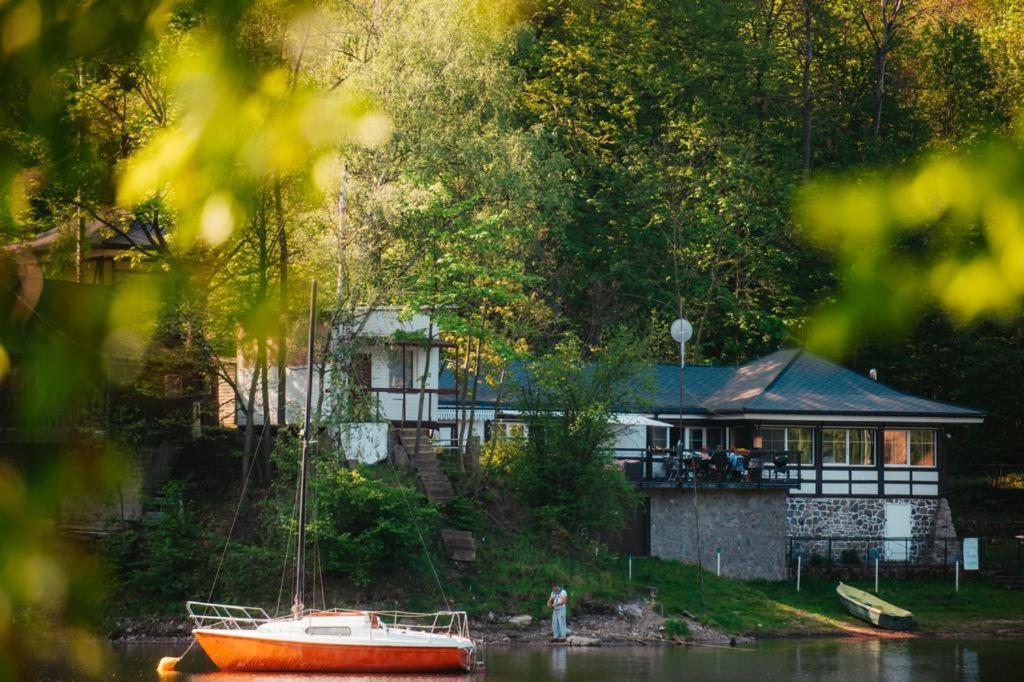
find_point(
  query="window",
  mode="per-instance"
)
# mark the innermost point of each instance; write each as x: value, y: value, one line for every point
x: 913, y: 447
x: 694, y: 439
x: 657, y: 437
x: 847, y: 446
x: 789, y: 438
x: 360, y: 370
x: 922, y: 448
x: 400, y: 368
x: 333, y: 631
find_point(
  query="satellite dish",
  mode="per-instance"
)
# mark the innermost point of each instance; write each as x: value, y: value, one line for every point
x: 681, y: 330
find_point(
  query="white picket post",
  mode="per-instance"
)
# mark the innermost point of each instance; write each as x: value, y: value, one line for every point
x: 798, y: 573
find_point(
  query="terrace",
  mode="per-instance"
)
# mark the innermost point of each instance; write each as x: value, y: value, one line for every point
x: 753, y: 470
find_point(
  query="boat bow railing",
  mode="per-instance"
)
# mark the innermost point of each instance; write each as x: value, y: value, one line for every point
x: 226, y: 616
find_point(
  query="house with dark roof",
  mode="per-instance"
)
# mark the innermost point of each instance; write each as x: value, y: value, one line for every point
x: 842, y: 460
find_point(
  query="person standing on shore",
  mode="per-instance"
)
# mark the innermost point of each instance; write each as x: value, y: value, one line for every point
x: 557, y: 601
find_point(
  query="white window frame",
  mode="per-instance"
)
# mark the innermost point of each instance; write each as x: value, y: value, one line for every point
x: 846, y: 448
x: 906, y: 449
x: 397, y: 360
x: 785, y: 437
x: 664, y: 444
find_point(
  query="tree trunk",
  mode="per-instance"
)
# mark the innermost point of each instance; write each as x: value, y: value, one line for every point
x: 880, y: 61
x: 473, y: 456
x: 806, y: 88
x: 263, y: 454
x: 250, y: 425
x: 282, y: 313
x: 463, y: 420
x: 423, y: 379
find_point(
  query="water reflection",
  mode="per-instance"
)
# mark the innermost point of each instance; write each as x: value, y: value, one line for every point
x: 559, y: 661
x: 866, y: 660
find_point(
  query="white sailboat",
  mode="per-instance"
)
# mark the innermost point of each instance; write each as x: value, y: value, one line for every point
x: 246, y: 639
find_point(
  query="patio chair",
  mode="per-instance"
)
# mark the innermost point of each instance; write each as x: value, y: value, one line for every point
x: 720, y: 464
x: 781, y: 461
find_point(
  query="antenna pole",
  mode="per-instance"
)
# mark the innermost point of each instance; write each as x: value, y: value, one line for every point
x: 300, y: 563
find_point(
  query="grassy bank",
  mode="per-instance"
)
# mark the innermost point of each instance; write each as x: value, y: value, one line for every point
x: 514, y: 579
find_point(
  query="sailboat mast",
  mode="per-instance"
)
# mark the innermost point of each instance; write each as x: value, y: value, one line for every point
x: 300, y: 564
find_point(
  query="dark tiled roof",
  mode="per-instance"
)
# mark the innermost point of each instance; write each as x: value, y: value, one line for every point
x: 810, y: 384
x: 700, y: 382
x: 791, y: 381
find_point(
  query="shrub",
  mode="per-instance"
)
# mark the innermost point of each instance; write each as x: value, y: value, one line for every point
x: 676, y: 628
x: 162, y: 561
x: 366, y: 527
x: 564, y: 473
x: 850, y: 557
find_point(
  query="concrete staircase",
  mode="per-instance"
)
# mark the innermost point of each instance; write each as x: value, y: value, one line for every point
x: 429, y: 475
x: 459, y: 545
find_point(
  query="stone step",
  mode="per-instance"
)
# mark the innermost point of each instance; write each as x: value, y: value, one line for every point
x: 455, y: 534
x: 467, y: 556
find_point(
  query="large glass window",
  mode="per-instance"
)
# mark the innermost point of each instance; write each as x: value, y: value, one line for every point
x: 400, y: 368
x: 790, y: 438
x: 922, y: 448
x: 847, y: 446
x: 694, y: 438
x: 657, y: 437
x: 911, y: 447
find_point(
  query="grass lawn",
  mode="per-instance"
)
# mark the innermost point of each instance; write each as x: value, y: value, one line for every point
x: 516, y: 580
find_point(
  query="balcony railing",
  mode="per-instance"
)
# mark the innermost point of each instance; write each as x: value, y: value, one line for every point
x: 719, y: 469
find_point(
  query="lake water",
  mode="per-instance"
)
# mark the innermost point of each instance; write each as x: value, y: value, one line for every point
x: 812, y: 659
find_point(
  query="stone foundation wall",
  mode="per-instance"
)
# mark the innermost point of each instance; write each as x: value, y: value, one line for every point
x: 864, y: 518
x: 749, y: 526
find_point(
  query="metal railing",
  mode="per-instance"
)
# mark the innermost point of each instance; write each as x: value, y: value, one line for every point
x: 449, y: 623
x: 233, y: 617
x: 994, y: 553
x: 720, y: 469
x: 226, y: 616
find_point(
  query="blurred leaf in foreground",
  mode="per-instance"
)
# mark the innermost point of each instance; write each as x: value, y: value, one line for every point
x: 948, y: 232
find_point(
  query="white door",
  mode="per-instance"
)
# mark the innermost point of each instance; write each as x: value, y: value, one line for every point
x: 897, y: 525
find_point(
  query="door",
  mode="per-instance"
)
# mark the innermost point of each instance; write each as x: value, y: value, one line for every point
x: 897, y: 525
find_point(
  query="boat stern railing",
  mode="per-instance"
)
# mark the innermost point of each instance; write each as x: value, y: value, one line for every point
x: 438, y: 623
x: 226, y: 616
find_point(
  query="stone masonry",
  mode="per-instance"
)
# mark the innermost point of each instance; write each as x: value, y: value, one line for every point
x: 863, y: 518
x: 748, y: 526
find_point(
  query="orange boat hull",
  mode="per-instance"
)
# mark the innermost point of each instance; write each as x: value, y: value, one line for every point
x: 252, y: 654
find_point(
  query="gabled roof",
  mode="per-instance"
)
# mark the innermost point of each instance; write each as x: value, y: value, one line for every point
x: 786, y: 382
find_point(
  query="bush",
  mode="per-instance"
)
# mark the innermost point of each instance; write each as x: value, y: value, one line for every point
x: 564, y: 473
x: 676, y: 628
x: 164, y: 560
x: 366, y: 527
x: 850, y: 557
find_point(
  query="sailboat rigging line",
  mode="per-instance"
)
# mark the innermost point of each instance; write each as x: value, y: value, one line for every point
x: 287, y: 552
x: 238, y: 508
x: 423, y: 543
